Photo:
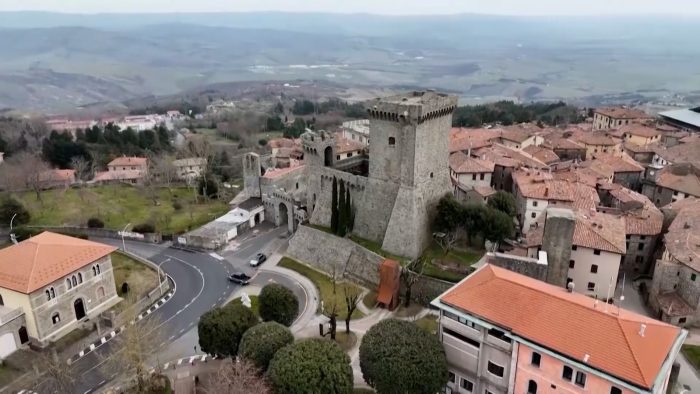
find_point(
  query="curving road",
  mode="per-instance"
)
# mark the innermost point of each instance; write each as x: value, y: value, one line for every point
x: 200, y: 285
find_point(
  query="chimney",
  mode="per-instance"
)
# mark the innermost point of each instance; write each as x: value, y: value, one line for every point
x: 642, y: 328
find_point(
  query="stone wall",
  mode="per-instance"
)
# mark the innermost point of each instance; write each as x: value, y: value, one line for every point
x: 533, y: 268
x: 427, y: 289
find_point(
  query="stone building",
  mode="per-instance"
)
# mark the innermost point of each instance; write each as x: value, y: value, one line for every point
x: 356, y: 130
x: 610, y: 118
x: 675, y: 289
x: 672, y: 183
x: 565, y: 148
x: 190, y: 169
x: 471, y: 177
x: 640, y: 134
x: 507, y: 333
x: 506, y: 161
x: 57, y: 282
x: 626, y: 171
x: 597, y: 142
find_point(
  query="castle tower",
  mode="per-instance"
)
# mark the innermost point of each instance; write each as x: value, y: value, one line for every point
x: 408, y: 170
x: 319, y: 148
x: 252, y: 171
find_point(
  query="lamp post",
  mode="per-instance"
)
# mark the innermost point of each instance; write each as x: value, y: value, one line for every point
x: 12, y: 235
x: 123, y: 231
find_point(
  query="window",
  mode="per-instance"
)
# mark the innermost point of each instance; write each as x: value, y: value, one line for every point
x: 567, y: 373
x: 481, y: 176
x: 349, y: 154
x: 642, y: 237
x: 580, y: 379
x: 594, y: 269
x: 74, y: 280
x: 68, y: 284
x: 640, y: 246
x: 431, y: 174
x: 80, y: 277
x: 681, y: 320
x: 615, y: 390
x: 499, y: 334
x: 98, y: 268
x: 692, y: 277
x: 533, y: 215
x: 591, y: 286
x: 94, y: 271
x: 392, y: 141
x: 337, y: 157
x: 461, y: 337
x: 48, y: 295
x: 572, y: 263
x: 452, y: 377
x: 55, y: 318
x: 495, y: 369
x: 574, y: 247
x: 531, y: 387
x: 466, y: 385
x: 473, y: 177
x: 534, y: 203
x: 596, y: 252
x: 535, y: 360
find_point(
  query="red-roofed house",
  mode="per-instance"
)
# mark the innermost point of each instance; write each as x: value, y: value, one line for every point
x: 471, y: 177
x: 123, y: 169
x: 51, y: 179
x: 507, y: 333
x: 609, y: 118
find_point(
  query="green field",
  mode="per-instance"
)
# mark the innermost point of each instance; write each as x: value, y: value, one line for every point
x: 692, y: 353
x: 118, y: 205
x: 254, y: 304
x: 325, y: 288
x: 463, y: 258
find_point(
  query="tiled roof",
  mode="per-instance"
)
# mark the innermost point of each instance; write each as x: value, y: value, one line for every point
x: 619, y: 163
x: 128, y: 161
x: 649, y: 148
x: 45, y: 258
x: 596, y: 138
x: 563, y: 143
x: 484, y: 191
x: 622, y: 113
x: 674, y: 305
x: 683, y: 237
x: 283, y: 143
x: 604, y: 337
x: 576, y: 175
x: 508, y: 157
x: 681, y: 153
x: 118, y: 175
x: 597, y: 168
x: 601, y: 231
x: 680, y: 177
x: 344, y: 145
x: 57, y: 175
x: 541, y: 153
x: 515, y: 135
x: 463, y: 164
x: 464, y: 144
x: 639, y: 130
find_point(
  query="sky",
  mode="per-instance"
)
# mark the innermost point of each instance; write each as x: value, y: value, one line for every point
x: 391, y: 7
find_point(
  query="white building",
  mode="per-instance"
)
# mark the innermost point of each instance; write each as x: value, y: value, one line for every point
x: 356, y: 130
x: 471, y: 177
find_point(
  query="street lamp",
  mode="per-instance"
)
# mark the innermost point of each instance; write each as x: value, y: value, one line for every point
x: 12, y: 235
x: 160, y: 281
x: 124, y: 231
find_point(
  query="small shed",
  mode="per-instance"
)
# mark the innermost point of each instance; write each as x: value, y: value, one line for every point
x: 389, y: 284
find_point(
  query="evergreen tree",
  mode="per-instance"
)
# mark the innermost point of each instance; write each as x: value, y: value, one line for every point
x: 342, y: 211
x: 334, y: 207
x: 350, y: 211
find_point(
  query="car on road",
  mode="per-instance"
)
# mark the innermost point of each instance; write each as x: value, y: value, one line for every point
x: 258, y: 259
x: 240, y: 278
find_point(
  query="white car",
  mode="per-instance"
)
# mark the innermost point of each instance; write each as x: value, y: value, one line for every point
x: 259, y: 259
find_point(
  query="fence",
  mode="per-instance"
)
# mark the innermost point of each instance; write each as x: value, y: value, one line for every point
x: 102, y: 233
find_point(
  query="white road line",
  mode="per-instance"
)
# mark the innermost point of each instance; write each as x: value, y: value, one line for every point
x: 101, y: 383
x: 171, y: 337
x: 179, y: 361
x: 181, y: 331
x: 192, y: 359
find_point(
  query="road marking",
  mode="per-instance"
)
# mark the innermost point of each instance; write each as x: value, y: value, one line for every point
x: 216, y: 256
x: 181, y: 331
x: 101, y: 383
x: 179, y: 361
x: 171, y: 337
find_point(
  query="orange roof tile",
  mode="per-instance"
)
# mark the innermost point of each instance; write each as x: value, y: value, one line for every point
x: 128, y: 161
x: 595, y: 230
x: 622, y: 113
x: 463, y: 164
x: 683, y: 237
x: 45, y: 258
x: 541, y: 153
x: 571, y: 324
x: 682, y: 177
x: 619, y: 163
x: 639, y: 130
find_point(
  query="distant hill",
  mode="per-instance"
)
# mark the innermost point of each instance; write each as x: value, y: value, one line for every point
x: 54, y: 62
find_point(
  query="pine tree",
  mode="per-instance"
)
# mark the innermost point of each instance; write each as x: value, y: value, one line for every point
x: 350, y: 214
x: 334, y: 207
x: 342, y: 210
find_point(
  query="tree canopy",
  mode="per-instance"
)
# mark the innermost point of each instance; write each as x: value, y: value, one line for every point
x: 311, y: 366
x: 260, y: 343
x: 508, y: 112
x: 8, y: 208
x: 504, y: 202
x: 278, y: 303
x: 220, y: 329
x: 474, y: 218
x: 396, y: 356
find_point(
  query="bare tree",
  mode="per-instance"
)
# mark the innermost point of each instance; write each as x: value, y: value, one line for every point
x: 134, y: 347
x: 83, y: 168
x: 164, y: 170
x: 332, y: 311
x: 446, y: 240
x: 237, y: 377
x: 410, y: 275
x: 30, y: 168
x: 352, y: 297
x: 57, y: 376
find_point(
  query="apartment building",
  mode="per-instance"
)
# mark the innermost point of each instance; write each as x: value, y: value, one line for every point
x: 640, y: 134
x: 609, y: 118
x: 471, y: 176
x: 507, y: 333
x: 672, y: 183
x: 597, y: 142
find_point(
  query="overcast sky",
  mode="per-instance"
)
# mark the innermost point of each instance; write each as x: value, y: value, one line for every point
x: 397, y: 7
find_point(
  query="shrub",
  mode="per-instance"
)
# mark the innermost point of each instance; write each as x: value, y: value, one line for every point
x: 397, y: 356
x: 207, y: 186
x: 95, y: 223
x: 262, y: 142
x: 220, y: 329
x: 311, y: 366
x: 144, y: 228
x: 279, y: 304
x: 10, y: 207
x: 260, y: 343
x: 23, y: 233
x: 177, y: 205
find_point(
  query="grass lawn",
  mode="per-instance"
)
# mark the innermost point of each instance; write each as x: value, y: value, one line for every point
x: 325, y: 287
x: 118, y: 205
x: 370, y: 299
x: 463, y: 258
x: 254, y: 304
x: 428, y: 323
x: 377, y: 248
x: 692, y: 353
x: 345, y: 340
x: 140, y: 277
x: 8, y: 374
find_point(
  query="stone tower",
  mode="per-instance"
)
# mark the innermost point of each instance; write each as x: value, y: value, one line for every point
x: 556, y: 241
x: 408, y: 170
x: 252, y: 171
x: 319, y: 148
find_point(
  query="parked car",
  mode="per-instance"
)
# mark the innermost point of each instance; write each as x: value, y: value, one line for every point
x: 240, y: 278
x: 258, y: 259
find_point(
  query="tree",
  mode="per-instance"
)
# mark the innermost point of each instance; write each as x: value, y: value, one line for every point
x: 350, y: 211
x: 446, y: 240
x: 208, y: 187
x: 504, y: 202
x: 57, y: 376
x: 220, y: 329
x: 410, y: 274
x: 449, y: 214
x: 83, y: 168
x: 59, y: 149
x: 352, y: 297
x: 278, y: 303
x: 334, y: 206
x: 8, y: 208
x: 260, y: 343
x: 397, y: 356
x: 497, y: 226
x: 311, y: 366
x: 236, y: 377
x: 24, y: 171
x: 342, y: 211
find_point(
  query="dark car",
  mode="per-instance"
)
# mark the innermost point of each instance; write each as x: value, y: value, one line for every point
x: 258, y: 259
x: 240, y: 278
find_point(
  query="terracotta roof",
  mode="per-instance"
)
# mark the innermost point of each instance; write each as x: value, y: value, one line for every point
x: 619, y: 163
x: 604, y: 337
x: 572, y: 174
x: 597, y: 168
x: 595, y: 138
x: 118, y: 175
x: 515, y: 135
x: 680, y: 177
x: 639, y: 130
x: 45, y: 258
x: 674, y: 305
x: 57, y: 175
x: 601, y: 231
x: 648, y: 148
x: 282, y: 143
x: 683, y: 237
x: 622, y: 113
x: 128, y: 161
x: 344, y: 145
x: 541, y: 153
x: 508, y: 157
x: 463, y: 164
x: 484, y: 191
x: 681, y: 153
x: 563, y: 143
